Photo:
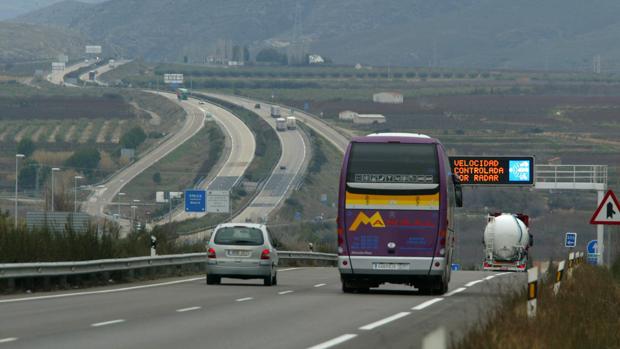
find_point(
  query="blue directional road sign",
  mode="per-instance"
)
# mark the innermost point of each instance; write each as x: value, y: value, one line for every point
x: 571, y: 240
x: 456, y: 266
x: 593, y: 251
x: 593, y: 246
x: 195, y: 201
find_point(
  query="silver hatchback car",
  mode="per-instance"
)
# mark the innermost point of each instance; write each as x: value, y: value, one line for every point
x: 243, y: 251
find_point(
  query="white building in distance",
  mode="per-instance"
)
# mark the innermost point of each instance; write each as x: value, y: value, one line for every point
x: 347, y: 115
x: 368, y: 119
x: 388, y: 97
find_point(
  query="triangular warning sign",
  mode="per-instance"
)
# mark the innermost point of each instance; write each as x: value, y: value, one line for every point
x: 608, y: 212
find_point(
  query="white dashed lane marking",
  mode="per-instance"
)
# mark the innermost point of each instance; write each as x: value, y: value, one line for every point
x: 427, y: 304
x: 106, y: 323
x: 458, y: 290
x: 188, y: 309
x: 333, y: 342
x: 384, y: 321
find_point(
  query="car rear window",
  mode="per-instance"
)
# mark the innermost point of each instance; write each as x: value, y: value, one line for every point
x: 239, y: 236
x: 393, y: 163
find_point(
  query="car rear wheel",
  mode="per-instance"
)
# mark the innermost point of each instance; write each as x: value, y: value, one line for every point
x: 213, y: 280
x: 268, y: 280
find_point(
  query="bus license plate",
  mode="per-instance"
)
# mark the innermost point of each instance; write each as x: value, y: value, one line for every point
x: 390, y: 266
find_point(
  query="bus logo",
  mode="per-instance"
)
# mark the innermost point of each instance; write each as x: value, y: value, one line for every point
x: 375, y: 221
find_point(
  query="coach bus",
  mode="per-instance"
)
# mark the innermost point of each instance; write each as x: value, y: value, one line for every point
x: 396, y: 213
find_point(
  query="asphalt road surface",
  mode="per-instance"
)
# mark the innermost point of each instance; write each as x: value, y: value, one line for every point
x: 307, y: 309
x: 287, y: 172
x: 241, y: 146
x: 107, y: 192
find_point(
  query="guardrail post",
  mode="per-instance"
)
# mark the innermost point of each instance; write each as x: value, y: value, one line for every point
x: 571, y: 261
x: 435, y: 339
x: 532, y: 291
x: 62, y: 281
x: 10, y: 284
x: 558, y: 277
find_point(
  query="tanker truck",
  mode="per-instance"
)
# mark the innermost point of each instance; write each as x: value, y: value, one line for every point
x: 506, y: 242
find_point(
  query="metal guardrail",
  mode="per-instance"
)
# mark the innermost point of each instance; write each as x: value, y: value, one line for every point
x: 49, y: 269
x: 571, y: 173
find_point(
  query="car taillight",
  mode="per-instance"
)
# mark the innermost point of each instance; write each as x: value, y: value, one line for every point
x: 265, y: 254
x: 211, y: 253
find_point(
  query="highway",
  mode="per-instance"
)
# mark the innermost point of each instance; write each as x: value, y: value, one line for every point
x: 240, y: 141
x: 58, y: 77
x: 106, y: 193
x: 241, y: 147
x: 306, y: 309
x: 102, y: 70
x: 321, y: 127
x: 289, y: 168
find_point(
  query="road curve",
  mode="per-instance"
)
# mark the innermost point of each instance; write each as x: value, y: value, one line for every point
x: 287, y: 172
x: 241, y: 153
x: 321, y: 127
x: 102, y: 70
x: 306, y: 309
x: 105, y: 194
x: 58, y: 77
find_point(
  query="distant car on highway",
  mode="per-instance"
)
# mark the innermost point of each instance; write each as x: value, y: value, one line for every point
x: 243, y: 251
x: 282, y: 167
x: 201, y: 102
x: 257, y: 106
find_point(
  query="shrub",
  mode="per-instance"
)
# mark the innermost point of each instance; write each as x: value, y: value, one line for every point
x: 133, y: 138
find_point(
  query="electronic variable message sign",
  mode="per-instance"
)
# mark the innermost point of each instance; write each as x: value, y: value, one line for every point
x: 494, y: 170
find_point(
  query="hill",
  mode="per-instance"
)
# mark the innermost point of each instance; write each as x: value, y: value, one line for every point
x: 27, y: 43
x: 13, y: 8
x: 554, y: 34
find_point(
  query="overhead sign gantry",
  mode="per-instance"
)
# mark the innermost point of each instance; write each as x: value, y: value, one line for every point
x: 494, y: 170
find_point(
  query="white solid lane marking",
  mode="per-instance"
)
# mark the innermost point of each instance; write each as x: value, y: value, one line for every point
x: 7, y: 340
x: 289, y: 269
x: 99, y: 292
x: 504, y: 273
x: 332, y: 342
x: 188, y: 309
x: 319, y: 285
x: 244, y: 299
x: 490, y: 277
x: 427, y: 304
x: 106, y: 323
x: 458, y: 290
x: 285, y: 292
x: 470, y: 284
x: 384, y: 321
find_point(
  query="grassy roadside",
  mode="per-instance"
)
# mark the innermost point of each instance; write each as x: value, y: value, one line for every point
x: 322, y: 177
x: 584, y: 314
x: 266, y: 156
x: 179, y: 170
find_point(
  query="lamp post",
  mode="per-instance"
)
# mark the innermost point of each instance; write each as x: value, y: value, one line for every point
x: 119, y: 204
x: 133, y: 215
x: 75, y: 179
x: 17, y: 157
x: 54, y: 169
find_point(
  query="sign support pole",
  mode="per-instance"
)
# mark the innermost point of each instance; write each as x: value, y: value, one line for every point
x: 600, y: 232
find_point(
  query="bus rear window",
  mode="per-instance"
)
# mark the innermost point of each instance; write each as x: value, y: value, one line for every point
x: 393, y: 163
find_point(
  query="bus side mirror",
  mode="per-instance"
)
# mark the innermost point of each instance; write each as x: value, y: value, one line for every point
x: 458, y: 195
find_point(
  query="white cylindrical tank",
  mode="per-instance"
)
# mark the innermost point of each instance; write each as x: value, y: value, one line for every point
x: 506, y: 235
